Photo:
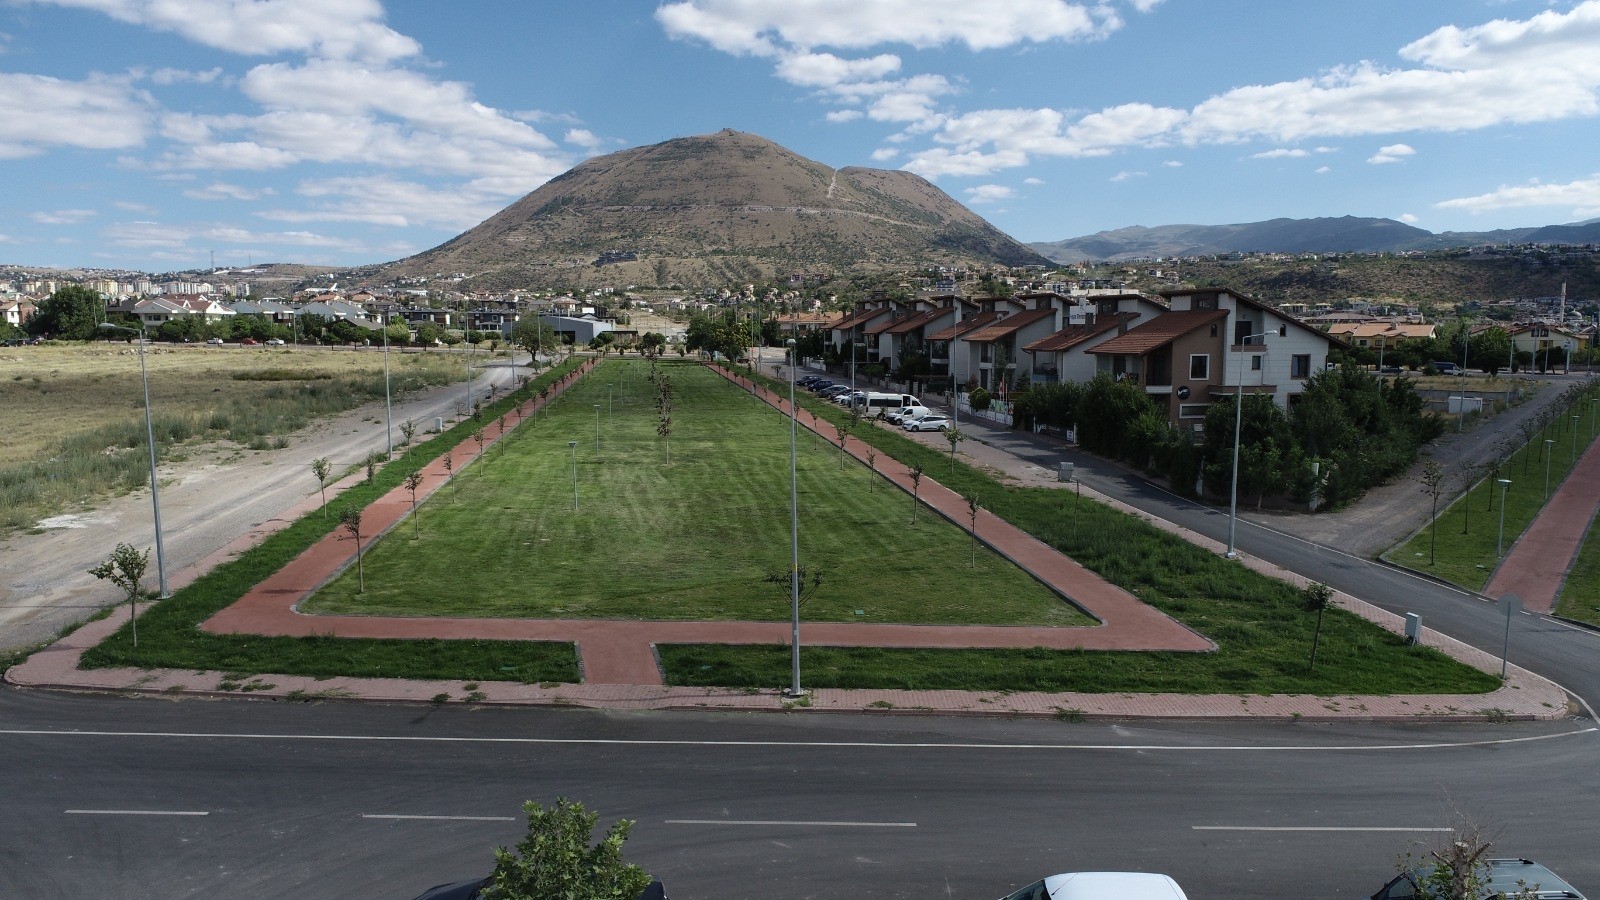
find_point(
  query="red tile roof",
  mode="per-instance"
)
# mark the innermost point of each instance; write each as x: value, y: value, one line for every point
x: 1159, y: 332
x: 962, y: 327
x: 1073, y: 335
x: 1007, y: 326
x: 856, y: 318
x: 913, y: 322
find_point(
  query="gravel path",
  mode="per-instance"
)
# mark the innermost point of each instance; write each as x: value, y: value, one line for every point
x: 207, y: 501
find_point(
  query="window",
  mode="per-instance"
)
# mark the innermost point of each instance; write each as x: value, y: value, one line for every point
x: 1243, y: 331
x: 986, y: 352
x: 1255, y: 363
x: 1199, y: 366
x: 1283, y: 331
x: 1193, y: 410
x: 1300, y: 365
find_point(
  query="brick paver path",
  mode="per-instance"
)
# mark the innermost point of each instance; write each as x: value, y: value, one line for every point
x: 1538, y: 563
x: 620, y: 670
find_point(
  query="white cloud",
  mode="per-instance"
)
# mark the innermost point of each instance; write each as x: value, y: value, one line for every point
x: 583, y: 137
x: 1281, y: 153
x: 1322, y: 170
x: 223, y: 191
x: 1033, y: 182
x: 130, y: 206
x: 38, y: 112
x: 1125, y: 176
x: 382, y: 200
x: 826, y: 70
x: 844, y: 115
x: 1541, y: 69
x: 1408, y: 218
x: 64, y: 216
x: 1173, y: 164
x: 988, y: 193
x: 166, y: 236
x: 742, y: 27
x: 1391, y: 154
x: 183, y: 76
x: 1582, y: 196
x: 341, y: 29
x: 884, y: 154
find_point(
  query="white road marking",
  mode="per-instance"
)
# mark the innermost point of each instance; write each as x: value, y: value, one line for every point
x: 782, y: 822
x: 133, y: 812
x: 1307, y: 828
x: 440, y: 818
x: 866, y: 745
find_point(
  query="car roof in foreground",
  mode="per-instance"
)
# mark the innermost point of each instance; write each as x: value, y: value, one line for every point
x: 1112, y: 886
x: 1509, y: 875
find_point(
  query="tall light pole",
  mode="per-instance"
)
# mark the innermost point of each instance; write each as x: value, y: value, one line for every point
x: 388, y: 404
x: 1500, y: 544
x: 853, y: 345
x: 794, y: 538
x: 150, y: 442
x: 1549, y: 451
x: 1574, y: 438
x: 1466, y: 342
x: 1238, y: 422
x: 573, y: 446
x: 1594, y: 415
x: 597, y: 428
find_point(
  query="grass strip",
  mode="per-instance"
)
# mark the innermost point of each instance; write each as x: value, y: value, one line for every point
x: 170, y: 637
x: 1580, y: 594
x: 705, y: 537
x: 1462, y: 545
x: 1261, y: 628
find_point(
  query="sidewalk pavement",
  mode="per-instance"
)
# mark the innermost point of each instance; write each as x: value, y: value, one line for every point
x: 1539, y: 561
x: 621, y: 671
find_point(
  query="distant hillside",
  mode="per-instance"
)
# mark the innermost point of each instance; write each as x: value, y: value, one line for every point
x: 1346, y: 234
x: 714, y: 209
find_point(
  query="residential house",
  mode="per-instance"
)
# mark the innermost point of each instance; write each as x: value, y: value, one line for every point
x: 995, y: 348
x: 794, y: 324
x: 852, y: 328
x: 1213, y: 344
x: 1382, y: 335
x: 16, y: 311
x: 1062, y: 355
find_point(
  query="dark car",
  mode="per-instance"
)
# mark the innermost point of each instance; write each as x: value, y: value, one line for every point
x: 1506, y: 878
x: 1446, y: 368
x: 471, y: 890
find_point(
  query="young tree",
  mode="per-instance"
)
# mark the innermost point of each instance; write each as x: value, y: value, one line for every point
x: 350, y: 518
x: 916, y: 486
x: 555, y: 861
x: 408, y: 430
x: 412, y: 483
x: 320, y: 467
x: 477, y: 436
x: 955, y: 436
x: 372, y: 469
x: 449, y: 470
x: 1432, y: 479
x: 1455, y: 866
x: 843, y: 429
x: 125, y: 569
x: 810, y: 579
x: 872, y: 470
x: 972, y: 510
x: 1316, y: 597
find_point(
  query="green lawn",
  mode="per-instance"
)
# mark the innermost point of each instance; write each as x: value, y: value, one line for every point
x: 1468, y: 528
x: 1580, y: 595
x: 1262, y: 632
x: 689, y: 540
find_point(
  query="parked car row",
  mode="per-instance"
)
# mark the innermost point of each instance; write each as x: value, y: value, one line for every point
x: 901, y: 410
x: 21, y: 342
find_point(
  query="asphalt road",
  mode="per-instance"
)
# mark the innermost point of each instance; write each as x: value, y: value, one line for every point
x: 1568, y: 655
x: 149, y: 798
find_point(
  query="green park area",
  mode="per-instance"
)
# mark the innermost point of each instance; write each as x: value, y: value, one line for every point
x: 700, y: 536
x: 1480, y: 518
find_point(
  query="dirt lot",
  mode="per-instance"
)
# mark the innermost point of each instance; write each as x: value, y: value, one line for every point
x: 209, y: 497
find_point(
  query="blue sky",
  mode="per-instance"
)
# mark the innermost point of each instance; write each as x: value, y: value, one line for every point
x: 150, y: 134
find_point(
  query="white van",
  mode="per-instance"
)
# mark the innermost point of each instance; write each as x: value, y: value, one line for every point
x: 880, y: 405
x: 907, y: 414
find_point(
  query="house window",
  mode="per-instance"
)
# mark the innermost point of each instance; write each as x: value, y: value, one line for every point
x: 1193, y: 410
x: 1213, y: 329
x: 1242, y: 332
x: 986, y: 352
x: 1300, y: 365
x: 1283, y: 331
x: 1255, y: 363
x: 1199, y: 366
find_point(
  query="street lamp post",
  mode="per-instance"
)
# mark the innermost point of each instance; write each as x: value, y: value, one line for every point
x: 1549, y: 451
x: 1500, y: 544
x: 597, y: 428
x: 1574, y: 438
x: 573, y: 446
x: 1238, y: 423
x: 794, y: 538
x: 388, y: 404
x: 1466, y: 342
x: 150, y: 443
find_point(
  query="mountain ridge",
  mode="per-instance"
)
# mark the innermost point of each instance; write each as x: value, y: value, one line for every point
x: 717, y: 208
x: 1342, y: 234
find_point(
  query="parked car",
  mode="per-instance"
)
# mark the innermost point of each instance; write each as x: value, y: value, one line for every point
x: 1506, y: 878
x: 1101, y: 886
x: 11, y: 342
x: 215, y: 342
x: 249, y: 342
x: 821, y: 384
x: 1446, y: 368
x: 274, y: 342
x: 930, y: 422
x: 850, y: 398
x: 831, y: 392
x: 909, y: 414
x: 472, y: 890
x: 808, y: 380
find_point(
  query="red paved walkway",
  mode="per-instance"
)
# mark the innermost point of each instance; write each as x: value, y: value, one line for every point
x: 1538, y: 563
x: 620, y: 670
x: 621, y: 652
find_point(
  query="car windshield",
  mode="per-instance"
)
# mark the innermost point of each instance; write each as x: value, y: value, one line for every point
x: 1033, y: 891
